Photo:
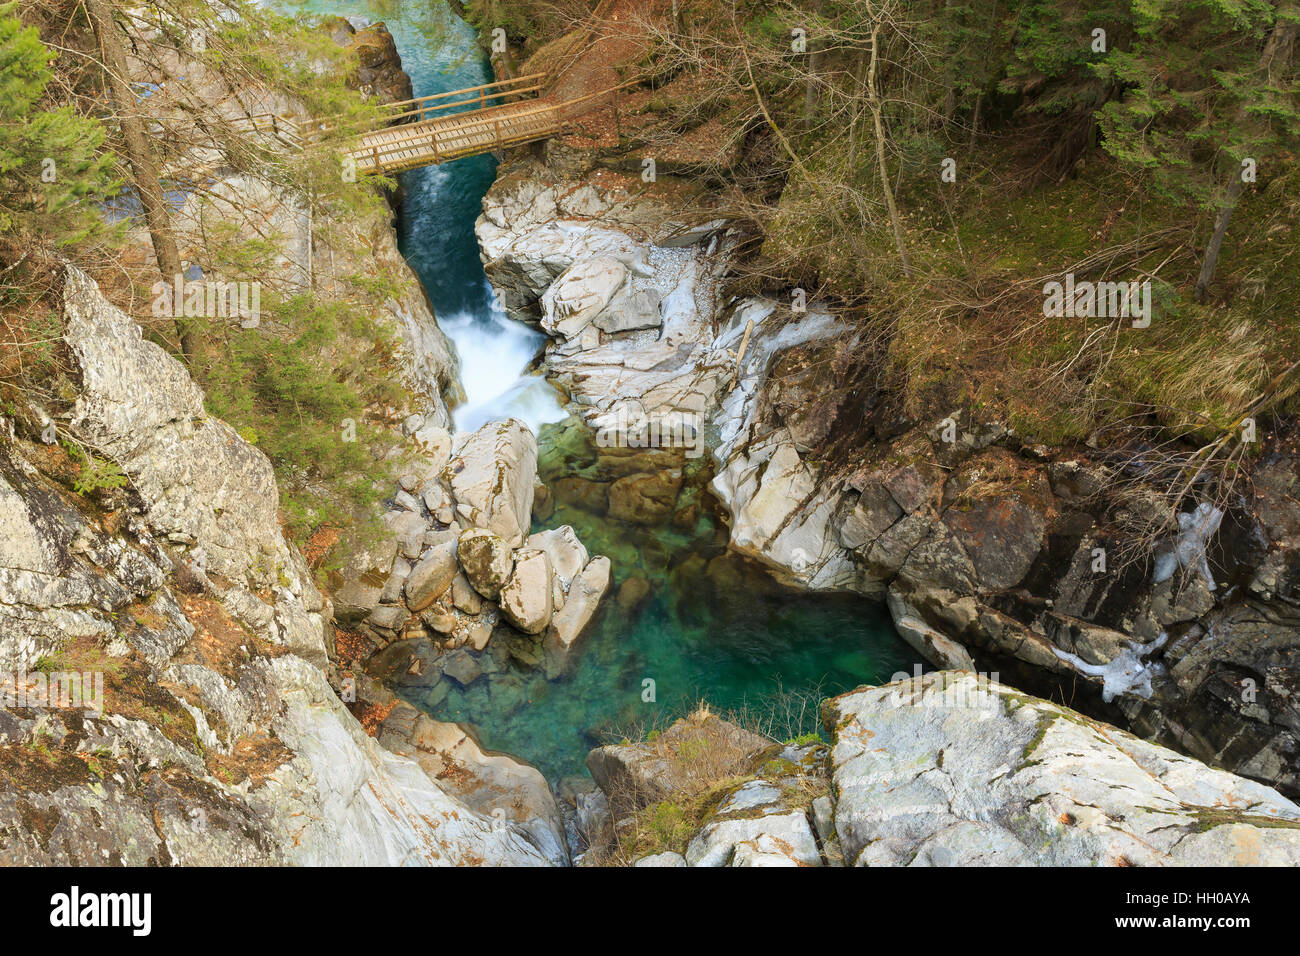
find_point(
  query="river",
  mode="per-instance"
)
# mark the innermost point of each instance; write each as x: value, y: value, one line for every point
x: 715, y: 627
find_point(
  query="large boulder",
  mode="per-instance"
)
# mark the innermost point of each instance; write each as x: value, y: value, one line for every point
x: 631, y: 312
x: 581, y: 294
x: 486, y: 559
x: 432, y: 576
x: 492, y: 478
x: 379, y: 67
x: 693, y: 753
x: 568, y: 623
x: 526, y: 597
x: 953, y: 769
x: 568, y: 555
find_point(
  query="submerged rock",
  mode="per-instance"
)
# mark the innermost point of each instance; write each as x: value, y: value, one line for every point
x: 462, y: 667
x: 645, y: 498
x: 633, y: 592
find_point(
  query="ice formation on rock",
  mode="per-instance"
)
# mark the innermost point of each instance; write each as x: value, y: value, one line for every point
x: 1196, y: 528
x: 1127, y: 673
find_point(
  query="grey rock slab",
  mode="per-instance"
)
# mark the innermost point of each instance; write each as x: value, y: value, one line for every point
x: 526, y: 599
x: 952, y: 768
x: 431, y: 578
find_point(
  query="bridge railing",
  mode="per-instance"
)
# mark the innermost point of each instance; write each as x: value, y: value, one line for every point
x: 479, y: 97
x: 501, y: 126
x: 438, y: 105
x: 479, y: 131
x: 282, y: 128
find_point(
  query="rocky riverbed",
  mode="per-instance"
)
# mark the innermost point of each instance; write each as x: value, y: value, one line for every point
x: 988, y: 552
x: 251, y: 716
x: 949, y: 769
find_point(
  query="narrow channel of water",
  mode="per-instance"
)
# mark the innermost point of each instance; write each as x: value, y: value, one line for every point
x: 697, y: 621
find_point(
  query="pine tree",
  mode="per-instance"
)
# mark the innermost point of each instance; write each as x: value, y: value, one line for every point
x: 1210, y: 93
x: 51, y: 163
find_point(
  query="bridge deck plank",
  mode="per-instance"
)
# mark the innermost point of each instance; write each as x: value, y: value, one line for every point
x: 457, y: 135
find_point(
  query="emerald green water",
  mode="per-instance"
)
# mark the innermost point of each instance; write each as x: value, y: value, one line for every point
x: 714, y: 627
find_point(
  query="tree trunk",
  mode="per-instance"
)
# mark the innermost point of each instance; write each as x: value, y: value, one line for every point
x: 855, y: 123
x: 1281, y: 40
x: 874, y: 101
x: 140, y: 158
x: 810, y: 93
x: 949, y: 75
x: 1221, y: 220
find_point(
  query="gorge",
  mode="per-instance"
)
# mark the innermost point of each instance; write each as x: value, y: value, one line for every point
x: 722, y: 631
x: 908, y: 572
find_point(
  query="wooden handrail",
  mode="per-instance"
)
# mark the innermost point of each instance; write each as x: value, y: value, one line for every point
x: 468, y: 89
x: 420, y: 104
x: 430, y: 135
x: 482, y: 119
x: 420, y: 110
x: 423, y: 111
x: 427, y: 135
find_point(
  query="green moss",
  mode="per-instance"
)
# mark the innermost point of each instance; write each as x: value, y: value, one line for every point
x: 1041, y: 727
x: 670, y: 824
x: 1207, y: 818
x: 805, y: 740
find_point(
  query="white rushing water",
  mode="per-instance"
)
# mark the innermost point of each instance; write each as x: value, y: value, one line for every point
x: 494, y: 353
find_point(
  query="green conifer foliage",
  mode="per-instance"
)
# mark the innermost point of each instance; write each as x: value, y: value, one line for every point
x: 51, y: 163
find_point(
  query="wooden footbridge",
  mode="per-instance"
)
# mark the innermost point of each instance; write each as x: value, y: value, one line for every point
x: 436, y: 129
